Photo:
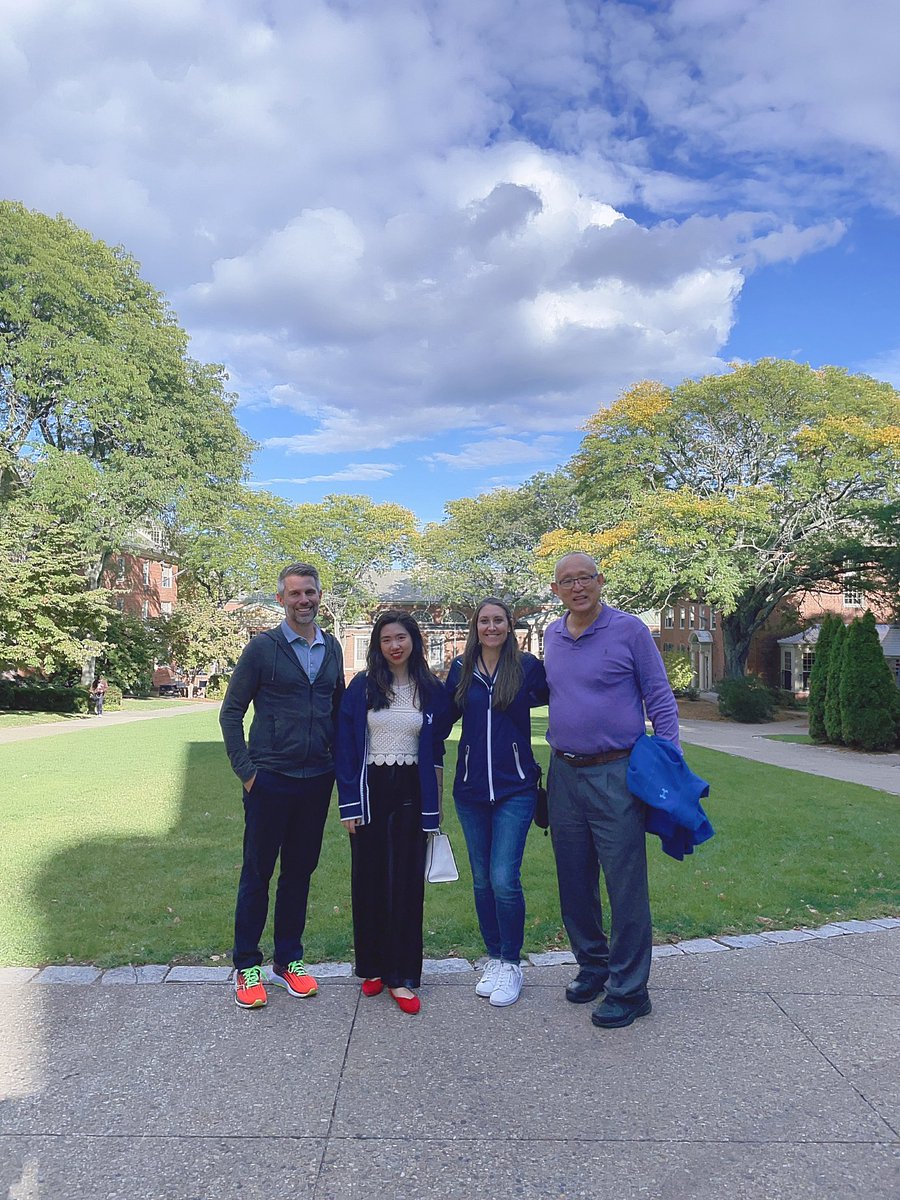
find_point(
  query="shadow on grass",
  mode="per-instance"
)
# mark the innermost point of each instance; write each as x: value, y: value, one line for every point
x: 170, y: 897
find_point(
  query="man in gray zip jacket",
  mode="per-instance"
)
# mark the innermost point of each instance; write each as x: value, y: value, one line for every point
x: 294, y: 677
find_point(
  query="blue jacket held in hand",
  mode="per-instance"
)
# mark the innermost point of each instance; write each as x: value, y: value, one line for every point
x: 495, y: 758
x: 659, y: 775
x: 352, y: 750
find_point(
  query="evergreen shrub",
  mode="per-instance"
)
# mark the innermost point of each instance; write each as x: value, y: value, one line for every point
x: 867, y: 691
x: 748, y: 699
x: 832, y: 708
x: 818, y: 676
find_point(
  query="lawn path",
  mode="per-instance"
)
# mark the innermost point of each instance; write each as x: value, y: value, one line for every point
x: 25, y: 733
x: 881, y: 771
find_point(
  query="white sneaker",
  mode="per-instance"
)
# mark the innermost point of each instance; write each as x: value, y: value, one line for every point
x: 509, y: 985
x: 489, y: 977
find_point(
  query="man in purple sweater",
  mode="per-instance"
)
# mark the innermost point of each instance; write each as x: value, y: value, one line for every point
x: 603, y: 670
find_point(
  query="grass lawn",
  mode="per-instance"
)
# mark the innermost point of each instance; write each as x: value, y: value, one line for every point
x: 123, y: 845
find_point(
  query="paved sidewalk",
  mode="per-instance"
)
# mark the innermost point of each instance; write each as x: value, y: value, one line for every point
x: 761, y: 1074
x: 750, y: 741
x: 26, y: 733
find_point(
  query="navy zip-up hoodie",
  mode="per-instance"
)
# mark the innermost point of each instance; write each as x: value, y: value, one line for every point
x: 352, y: 745
x: 495, y: 758
x: 293, y: 719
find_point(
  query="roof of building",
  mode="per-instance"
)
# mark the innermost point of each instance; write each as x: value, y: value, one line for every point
x: 888, y: 635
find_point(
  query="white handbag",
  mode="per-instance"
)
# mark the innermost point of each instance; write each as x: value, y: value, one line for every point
x: 440, y: 865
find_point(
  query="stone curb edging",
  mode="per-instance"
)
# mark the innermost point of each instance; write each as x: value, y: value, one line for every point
x: 162, y: 973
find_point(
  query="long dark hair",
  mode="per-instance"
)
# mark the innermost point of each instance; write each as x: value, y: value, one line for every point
x: 510, y: 675
x: 379, y: 680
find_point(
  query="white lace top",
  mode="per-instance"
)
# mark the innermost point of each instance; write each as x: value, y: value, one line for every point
x: 394, y: 731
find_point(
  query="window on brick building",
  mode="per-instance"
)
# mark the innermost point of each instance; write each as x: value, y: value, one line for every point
x: 436, y: 650
x: 167, y: 576
x: 693, y: 617
x: 360, y: 648
x: 704, y: 619
x: 145, y: 609
x: 670, y: 618
x: 681, y: 619
x: 853, y: 596
x: 166, y: 608
x: 145, y: 572
x: 120, y: 570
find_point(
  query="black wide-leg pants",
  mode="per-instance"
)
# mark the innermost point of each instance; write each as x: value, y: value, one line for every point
x: 388, y: 879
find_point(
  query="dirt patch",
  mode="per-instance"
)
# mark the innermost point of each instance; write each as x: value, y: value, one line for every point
x: 707, y: 710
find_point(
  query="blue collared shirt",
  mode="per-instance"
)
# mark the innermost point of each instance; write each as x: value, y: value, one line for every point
x: 310, y: 655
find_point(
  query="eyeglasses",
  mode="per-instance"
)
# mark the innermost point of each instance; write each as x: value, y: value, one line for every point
x: 569, y: 582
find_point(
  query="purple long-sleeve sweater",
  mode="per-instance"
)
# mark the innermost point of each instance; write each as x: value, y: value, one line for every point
x: 601, y: 682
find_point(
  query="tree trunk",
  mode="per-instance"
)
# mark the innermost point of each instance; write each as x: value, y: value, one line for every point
x: 736, y: 638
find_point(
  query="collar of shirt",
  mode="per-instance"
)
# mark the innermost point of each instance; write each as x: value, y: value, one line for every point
x: 292, y: 636
x: 599, y: 622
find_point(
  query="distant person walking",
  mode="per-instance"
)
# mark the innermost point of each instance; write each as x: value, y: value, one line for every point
x: 494, y: 686
x: 389, y: 774
x: 98, y: 692
x: 294, y: 677
x: 603, y: 669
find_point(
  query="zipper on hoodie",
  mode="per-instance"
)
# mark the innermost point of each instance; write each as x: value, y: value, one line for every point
x: 488, y: 748
x: 466, y: 765
x: 516, y: 757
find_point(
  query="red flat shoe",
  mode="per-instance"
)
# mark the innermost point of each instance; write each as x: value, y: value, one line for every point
x: 372, y: 987
x: 407, y: 1004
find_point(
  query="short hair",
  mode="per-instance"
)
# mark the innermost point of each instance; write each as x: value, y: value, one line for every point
x: 298, y: 568
x: 576, y: 554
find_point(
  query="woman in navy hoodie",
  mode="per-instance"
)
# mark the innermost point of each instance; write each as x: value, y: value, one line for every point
x: 388, y: 762
x: 493, y: 687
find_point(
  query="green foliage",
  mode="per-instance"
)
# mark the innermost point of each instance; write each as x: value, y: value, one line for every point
x: 216, y: 687
x: 113, y: 698
x: 832, y: 719
x: 32, y: 695
x: 199, y: 636
x: 748, y: 699
x: 868, y: 695
x: 349, y: 538
x: 131, y: 651
x: 741, y: 488
x: 818, y: 677
x: 49, y: 619
x: 679, y: 670
x: 487, y: 545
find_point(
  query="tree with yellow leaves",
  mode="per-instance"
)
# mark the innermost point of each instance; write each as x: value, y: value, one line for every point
x: 740, y: 489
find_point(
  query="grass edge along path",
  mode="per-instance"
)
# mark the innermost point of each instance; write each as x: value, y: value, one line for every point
x: 124, y: 847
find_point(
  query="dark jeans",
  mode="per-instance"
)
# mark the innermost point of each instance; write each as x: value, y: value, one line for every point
x: 596, y: 822
x: 495, y: 838
x: 287, y: 816
x: 388, y: 879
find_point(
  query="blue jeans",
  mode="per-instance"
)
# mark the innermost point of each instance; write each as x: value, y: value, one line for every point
x: 495, y: 838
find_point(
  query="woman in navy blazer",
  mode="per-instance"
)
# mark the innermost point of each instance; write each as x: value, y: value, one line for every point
x: 494, y: 686
x: 389, y: 765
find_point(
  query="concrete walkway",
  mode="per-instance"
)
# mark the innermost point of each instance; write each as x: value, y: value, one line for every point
x: 26, y: 733
x: 750, y: 741
x: 761, y: 1074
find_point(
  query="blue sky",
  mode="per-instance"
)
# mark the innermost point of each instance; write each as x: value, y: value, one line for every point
x: 428, y: 239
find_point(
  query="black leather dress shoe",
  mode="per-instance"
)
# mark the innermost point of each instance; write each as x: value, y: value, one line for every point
x: 614, y: 1012
x: 586, y: 986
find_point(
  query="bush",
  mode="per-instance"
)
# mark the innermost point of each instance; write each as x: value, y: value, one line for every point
x: 216, y: 687
x: 748, y: 700
x: 868, y: 695
x: 113, y: 697
x: 818, y: 676
x: 679, y: 671
x: 832, y: 712
x: 38, y: 696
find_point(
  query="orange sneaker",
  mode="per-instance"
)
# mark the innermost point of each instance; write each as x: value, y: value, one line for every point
x: 295, y: 978
x: 249, y: 989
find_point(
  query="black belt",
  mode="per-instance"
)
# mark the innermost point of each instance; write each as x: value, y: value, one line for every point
x: 591, y: 760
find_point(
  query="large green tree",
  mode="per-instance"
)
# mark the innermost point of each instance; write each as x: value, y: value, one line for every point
x: 739, y: 489
x: 486, y: 545
x: 351, y: 539
x: 102, y: 410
